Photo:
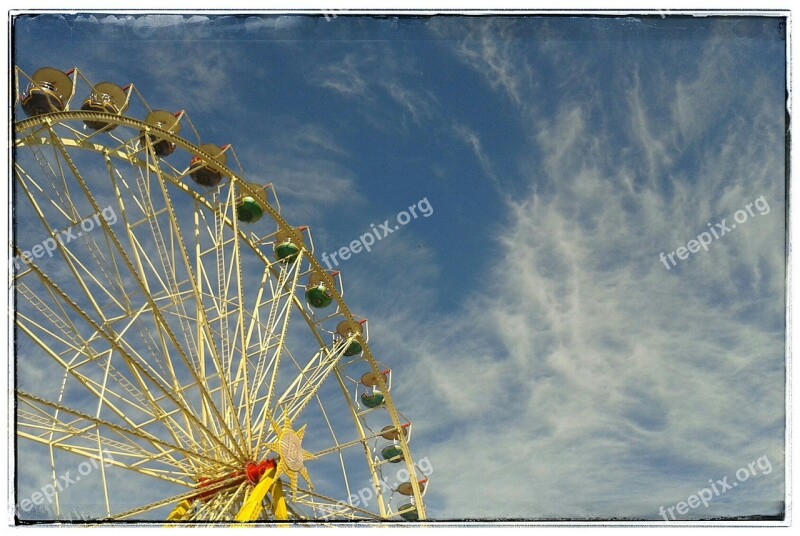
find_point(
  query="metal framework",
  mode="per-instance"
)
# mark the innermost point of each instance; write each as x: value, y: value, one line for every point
x: 159, y: 341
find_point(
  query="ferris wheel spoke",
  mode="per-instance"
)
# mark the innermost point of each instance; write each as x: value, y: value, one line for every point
x: 274, y: 334
x: 68, y: 257
x: 58, y: 181
x: 156, y: 311
x: 178, y: 249
x: 79, y: 346
x: 111, y: 388
x: 202, y: 320
x: 220, y: 505
x: 109, y: 267
x: 153, y: 506
x: 264, y: 343
x: 133, y: 462
x: 162, y: 358
x: 41, y: 425
x: 219, y: 300
x: 103, y: 390
x: 308, y: 382
x: 165, y: 274
x: 71, y: 214
x: 339, y: 447
x: 137, y: 369
x: 72, y: 429
x: 60, y: 320
x: 27, y: 181
x: 236, y: 262
x: 227, y: 300
x: 331, y: 508
x: 144, y: 203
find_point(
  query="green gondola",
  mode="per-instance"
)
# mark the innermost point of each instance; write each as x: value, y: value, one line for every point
x: 318, y: 295
x: 248, y: 210
x: 392, y: 453
x: 372, y: 401
x: 343, y: 329
x: 353, y: 349
x: 286, y: 249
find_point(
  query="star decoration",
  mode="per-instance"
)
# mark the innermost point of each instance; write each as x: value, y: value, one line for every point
x: 292, y: 456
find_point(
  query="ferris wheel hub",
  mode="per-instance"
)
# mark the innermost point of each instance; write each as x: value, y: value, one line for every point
x: 255, y: 471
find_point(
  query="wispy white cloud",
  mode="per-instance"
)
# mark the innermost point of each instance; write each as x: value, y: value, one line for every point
x: 343, y: 77
x: 471, y: 139
x: 655, y: 149
x: 489, y: 46
x: 198, y: 83
x: 419, y: 105
x: 371, y: 78
x: 307, y: 166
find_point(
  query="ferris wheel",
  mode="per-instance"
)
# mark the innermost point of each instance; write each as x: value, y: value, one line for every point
x: 180, y: 354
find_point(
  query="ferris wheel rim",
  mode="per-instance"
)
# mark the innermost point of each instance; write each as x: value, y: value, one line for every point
x: 209, y: 161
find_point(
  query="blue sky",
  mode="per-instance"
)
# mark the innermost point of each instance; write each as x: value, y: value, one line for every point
x: 551, y: 364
